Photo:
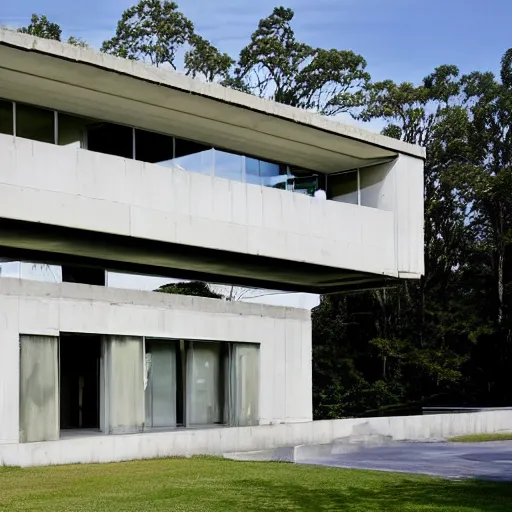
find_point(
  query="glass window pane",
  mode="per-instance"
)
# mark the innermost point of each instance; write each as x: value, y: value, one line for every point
x: 111, y: 139
x: 41, y: 272
x: 35, y: 123
x: 124, y: 384
x: 6, y: 117
x: 252, y: 171
x: 154, y: 148
x: 39, y: 388
x: 343, y: 187
x: 244, y: 384
x: 161, y: 382
x: 73, y: 130
x: 193, y: 156
x: 203, y: 383
x: 273, y: 175
x: 228, y: 166
x: 303, y: 181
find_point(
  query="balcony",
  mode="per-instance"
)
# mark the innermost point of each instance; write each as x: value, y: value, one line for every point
x: 129, y: 215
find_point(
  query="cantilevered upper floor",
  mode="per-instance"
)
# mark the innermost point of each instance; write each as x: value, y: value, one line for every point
x: 113, y: 163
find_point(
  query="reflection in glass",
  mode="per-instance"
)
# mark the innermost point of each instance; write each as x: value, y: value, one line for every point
x: 35, y: 123
x: 193, y: 156
x: 259, y: 172
x: 6, y: 117
x: 252, y: 171
x: 30, y: 270
x: 302, y: 181
x: 228, y: 166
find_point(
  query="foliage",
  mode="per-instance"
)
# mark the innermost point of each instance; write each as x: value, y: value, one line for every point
x: 449, y: 335
x: 153, y: 31
x: 196, y: 288
x: 77, y: 41
x: 204, y: 60
x: 41, y: 26
x: 275, y: 65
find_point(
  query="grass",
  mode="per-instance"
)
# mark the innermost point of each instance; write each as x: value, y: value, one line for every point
x: 210, y: 484
x: 482, y: 438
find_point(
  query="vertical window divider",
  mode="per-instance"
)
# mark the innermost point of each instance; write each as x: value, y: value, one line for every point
x: 14, y: 118
x: 212, y: 173
x: 55, y: 127
x: 358, y: 187
x: 134, y: 155
x: 244, y: 176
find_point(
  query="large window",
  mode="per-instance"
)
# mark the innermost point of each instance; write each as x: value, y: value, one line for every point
x: 6, y: 117
x: 107, y: 383
x: 201, y: 383
x: 112, y: 139
x: 72, y: 130
x: 154, y: 148
x: 344, y: 187
x: 35, y: 123
x: 193, y: 156
x: 75, y: 131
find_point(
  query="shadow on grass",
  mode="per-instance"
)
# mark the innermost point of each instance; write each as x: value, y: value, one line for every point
x: 432, y: 495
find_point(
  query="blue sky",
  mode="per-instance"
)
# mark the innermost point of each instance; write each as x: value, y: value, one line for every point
x: 400, y: 39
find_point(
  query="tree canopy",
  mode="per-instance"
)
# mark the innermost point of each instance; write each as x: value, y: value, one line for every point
x: 41, y: 26
x: 153, y: 31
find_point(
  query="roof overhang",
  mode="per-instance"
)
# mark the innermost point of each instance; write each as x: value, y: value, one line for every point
x: 84, y: 82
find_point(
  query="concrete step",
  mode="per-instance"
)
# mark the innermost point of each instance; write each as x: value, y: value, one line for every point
x: 300, y: 453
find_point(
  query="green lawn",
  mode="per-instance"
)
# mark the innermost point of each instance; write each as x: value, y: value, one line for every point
x: 209, y: 484
x: 482, y: 438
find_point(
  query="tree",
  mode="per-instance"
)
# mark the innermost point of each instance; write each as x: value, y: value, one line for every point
x: 153, y: 31
x: 409, y: 343
x: 204, y: 60
x: 275, y: 65
x: 195, y: 288
x: 485, y: 178
x: 77, y: 41
x: 41, y: 26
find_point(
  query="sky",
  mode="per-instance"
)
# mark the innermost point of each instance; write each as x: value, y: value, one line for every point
x: 400, y: 39
x: 403, y: 40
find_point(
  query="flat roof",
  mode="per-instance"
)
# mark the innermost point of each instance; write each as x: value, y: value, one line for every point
x: 85, y: 82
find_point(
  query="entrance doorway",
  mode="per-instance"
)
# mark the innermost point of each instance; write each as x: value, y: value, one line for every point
x: 80, y: 381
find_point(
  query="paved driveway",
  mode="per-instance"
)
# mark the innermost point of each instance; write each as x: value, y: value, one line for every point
x: 491, y: 461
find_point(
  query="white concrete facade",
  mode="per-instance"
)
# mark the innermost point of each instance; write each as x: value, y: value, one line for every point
x: 283, y: 334
x: 84, y: 190
x: 88, y: 201
x: 381, y: 235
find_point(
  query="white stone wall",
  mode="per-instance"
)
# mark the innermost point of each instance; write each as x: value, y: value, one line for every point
x: 224, y: 440
x: 284, y: 335
x: 81, y: 189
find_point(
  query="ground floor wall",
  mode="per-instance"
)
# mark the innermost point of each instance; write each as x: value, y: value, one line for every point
x: 43, y: 309
x: 217, y: 441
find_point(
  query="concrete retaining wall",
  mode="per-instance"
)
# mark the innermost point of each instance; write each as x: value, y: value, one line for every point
x: 224, y: 440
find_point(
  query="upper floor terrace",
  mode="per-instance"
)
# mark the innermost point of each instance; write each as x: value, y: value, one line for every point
x: 141, y: 169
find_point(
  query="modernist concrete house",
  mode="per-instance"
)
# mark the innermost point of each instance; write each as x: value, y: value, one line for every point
x: 112, y: 166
